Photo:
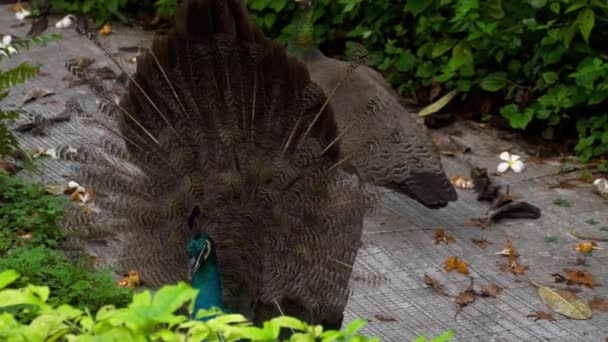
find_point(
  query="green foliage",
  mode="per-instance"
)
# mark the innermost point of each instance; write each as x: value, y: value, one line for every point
x: 30, y: 243
x: 148, y: 317
x: 544, y: 59
x: 12, y: 77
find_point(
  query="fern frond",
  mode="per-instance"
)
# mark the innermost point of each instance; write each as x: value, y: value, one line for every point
x: 17, y: 75
x: 26, y: 43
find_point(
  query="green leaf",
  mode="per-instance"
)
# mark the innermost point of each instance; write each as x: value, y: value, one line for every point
x: 8, y: 277
x: 550, y: 77
x: 170, y: 298
x: 538, y: 3
x: 442, y: 102
x: 516, y: 119
x: 494, y: 81
x: 354, y: 326
x: 405, y: 62
x: 586, y: 21
x: 417, y: 6
x: 555, y: 7
x: 462, y: 58
x: 568, y: 33
x: 290, y: 322
x: 495, y: 9
x: 442, y: 46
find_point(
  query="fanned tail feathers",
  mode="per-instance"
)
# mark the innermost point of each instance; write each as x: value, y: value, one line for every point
x: 220, y: 117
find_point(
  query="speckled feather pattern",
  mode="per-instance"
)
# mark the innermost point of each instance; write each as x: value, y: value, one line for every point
x: 382, y: 140
x: 223, y: 130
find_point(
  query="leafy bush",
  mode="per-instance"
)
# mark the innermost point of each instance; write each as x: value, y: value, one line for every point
x: 148, y: 317
x: 10, y: 78
x: 30, y: 241
x: 542, y: 63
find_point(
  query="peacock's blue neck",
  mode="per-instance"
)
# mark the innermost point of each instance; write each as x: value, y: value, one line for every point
x: 207, y: 280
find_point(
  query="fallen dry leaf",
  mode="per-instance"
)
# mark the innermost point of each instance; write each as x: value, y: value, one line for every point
x: 18, y: 7
x: 599, y: 304
x: 25, y: 236
x: 454, y: 263
x: 482, y: 243
x: 564, y: 302
x: 462, y: 182
x: 490, y: 290
x: 439, y: 104
x: 586, y: 248
x: 130, y: 281
x: 513, y: 267
x: 9, y: 167
x: 55, y: 189
x: 383, y: 318
x: 441, y: 236
x: 106, y: 29
x: 36, y: 93
x: 581, y: 278
x: 435, y: 284
x: 467, y: 296
x: 563, y: 184
x: 541, y: 315
x: 508, y: 251
x: 574, y: 277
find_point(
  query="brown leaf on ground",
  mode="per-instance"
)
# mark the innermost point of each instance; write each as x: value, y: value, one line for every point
x: 586, y: 248
x: 130, y: 281
x: 574, y: 277
x: 383, y: 318
x: 513, y: 267
x: 541, y: 315
x: 9, y: 167
x: 454, y: 263
x: 435, y: 284
x: 490, y: 290
x: 106, y: 29
x: 37, y: 93
x: 441, y: 236
x: 482, y: 243
x: 599, y: 304
x: 509, y: 251
x: 467, y: 296
x: 482, y: 222
x: 563, y: 184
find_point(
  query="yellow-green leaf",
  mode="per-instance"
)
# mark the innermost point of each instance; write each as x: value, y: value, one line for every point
x: 586, y: 21
x: 437, y: 105
x: 564, y: 302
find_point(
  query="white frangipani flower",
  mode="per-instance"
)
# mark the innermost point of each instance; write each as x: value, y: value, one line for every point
x: 22, y: 14
x: 601, y: 185
x: 66, y: 22
x: 6, y: 45
x: 510, y: 161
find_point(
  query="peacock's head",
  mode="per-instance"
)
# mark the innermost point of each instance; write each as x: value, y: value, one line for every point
x: 200, y: 247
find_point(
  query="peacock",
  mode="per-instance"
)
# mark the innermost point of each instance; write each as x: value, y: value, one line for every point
x: 391, y: 149
x: 220, y: 165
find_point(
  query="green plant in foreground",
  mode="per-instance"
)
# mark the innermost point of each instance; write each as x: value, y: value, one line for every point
x: 30, y: 242
x: 148, y: 318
